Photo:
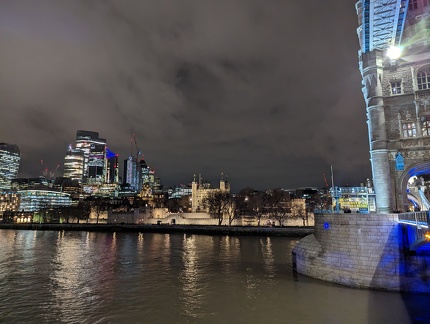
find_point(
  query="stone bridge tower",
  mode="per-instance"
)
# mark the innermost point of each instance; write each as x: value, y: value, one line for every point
x: 394, y: 61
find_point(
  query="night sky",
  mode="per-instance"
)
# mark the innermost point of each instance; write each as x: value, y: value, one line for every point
x: 267, y: 92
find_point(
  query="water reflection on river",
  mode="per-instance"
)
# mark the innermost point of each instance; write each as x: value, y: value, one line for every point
x: 87, y: 277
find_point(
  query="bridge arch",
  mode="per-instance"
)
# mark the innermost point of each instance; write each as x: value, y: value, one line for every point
x: 416, y: 169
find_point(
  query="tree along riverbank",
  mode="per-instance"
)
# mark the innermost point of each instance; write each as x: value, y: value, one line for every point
x: 188, y: 229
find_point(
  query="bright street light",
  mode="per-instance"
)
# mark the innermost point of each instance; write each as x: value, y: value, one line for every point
x: 394, y: 52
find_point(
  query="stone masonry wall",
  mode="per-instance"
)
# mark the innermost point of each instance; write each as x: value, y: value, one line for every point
x: 363, y: 251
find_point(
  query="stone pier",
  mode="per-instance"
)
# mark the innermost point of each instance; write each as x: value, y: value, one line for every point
x: 362, y: 251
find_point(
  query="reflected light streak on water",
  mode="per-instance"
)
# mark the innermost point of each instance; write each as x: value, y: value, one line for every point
x: 79, y: 277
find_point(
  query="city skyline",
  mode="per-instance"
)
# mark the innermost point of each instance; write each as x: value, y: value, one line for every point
x: 270, y: 94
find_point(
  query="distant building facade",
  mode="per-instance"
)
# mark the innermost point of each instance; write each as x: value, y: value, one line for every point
x: 9, y: 202
x: 130, y: 173
x: 10, y: 157
x: 93, y: 165
x: 74, y: 164
x: 200, y: 190
x: 112, y: 167
x: 94, y: 155
x: 40, y: 197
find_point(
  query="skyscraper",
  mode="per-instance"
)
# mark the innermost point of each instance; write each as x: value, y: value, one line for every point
x: 74, y: 164
x: 97, y: 164
x: 130, y: 173
x: 10, y: 157
x: 94, y: 149
x: 112, y: 175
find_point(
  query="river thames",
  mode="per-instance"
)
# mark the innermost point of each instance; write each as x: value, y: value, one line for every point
x: 95, y: 277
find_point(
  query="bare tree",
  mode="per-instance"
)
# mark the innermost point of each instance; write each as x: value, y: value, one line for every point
x: 278, y: 204
x: 173, y: 205
x: 298, y: 210
x: 97, y: 205
x: 257, y: 202
x: 71, y: 213
x: 231, y: 210
x: 216, y: 203
x: 252, y: 202
x: 185, y: 203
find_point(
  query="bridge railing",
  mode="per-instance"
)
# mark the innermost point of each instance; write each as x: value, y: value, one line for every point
x: 328, y: 211
x: 415, y: 218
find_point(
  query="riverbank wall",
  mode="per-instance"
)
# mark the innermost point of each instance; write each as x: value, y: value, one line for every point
x: 361, y: 251
x: 166, y: 229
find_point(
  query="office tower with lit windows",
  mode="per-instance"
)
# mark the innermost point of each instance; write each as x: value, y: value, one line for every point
x: 10, y: 157
x: 74, y: 164
x: 144, y: 172
x: 94, y: 149
x: 112, y: 175
x: 130, y: 173
x: 97, y: 164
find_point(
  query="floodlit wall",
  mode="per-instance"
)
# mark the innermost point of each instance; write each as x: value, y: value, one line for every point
x: 363, y: 251
x: 160, y: 216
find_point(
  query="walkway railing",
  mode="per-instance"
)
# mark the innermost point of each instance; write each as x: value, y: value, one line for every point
x: 418, y: 219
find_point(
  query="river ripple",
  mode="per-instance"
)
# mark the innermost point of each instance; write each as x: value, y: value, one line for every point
x: 92, y: 277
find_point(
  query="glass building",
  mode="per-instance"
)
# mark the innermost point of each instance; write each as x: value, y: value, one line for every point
x: 130, y: 173
x: 94, y: 149
x: 97, y: 164
x: 9, y: 164
x: 74, y: 164
x: 112, y: 175
x: 41, y: 197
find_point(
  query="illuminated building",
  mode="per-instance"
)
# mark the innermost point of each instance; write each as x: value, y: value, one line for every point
x: 354, y: 199
x: 25, y: 183
x: 97, y: 164
x: 74, y: 164
x: 201, y: 190
x: 93, y: 165
x: 130, y: 173
x: 69, y: 186
x: 149, y: 183
x: 112, y: 175
x: 40, y: 197
x: 94, y: 151
x: 180, y: 191
x: 144, y: 173
x: 9, y: 164
x: 394, y: 61
x: 9, y: 202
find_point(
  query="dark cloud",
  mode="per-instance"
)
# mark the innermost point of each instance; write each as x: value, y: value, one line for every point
x: 266, y: 92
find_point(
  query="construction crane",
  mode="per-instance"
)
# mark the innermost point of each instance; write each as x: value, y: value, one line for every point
x: 133, y: 140
x: 325, y: 180
x: 137, y: 149
x: 48, y: 173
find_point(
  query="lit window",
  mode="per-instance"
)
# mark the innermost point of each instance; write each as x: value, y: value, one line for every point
x: 409, y: 130
x: 423, y: 79
x: 413, y: 4
x: 396, y: 87
x: 425, y: 127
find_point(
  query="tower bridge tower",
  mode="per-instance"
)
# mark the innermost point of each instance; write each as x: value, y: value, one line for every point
x: 394, y: 61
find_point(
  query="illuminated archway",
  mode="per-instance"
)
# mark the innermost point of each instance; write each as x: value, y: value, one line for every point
x: 405, y: 198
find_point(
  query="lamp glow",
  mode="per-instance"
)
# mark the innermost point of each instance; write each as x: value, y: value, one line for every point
x: 394, y: 52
